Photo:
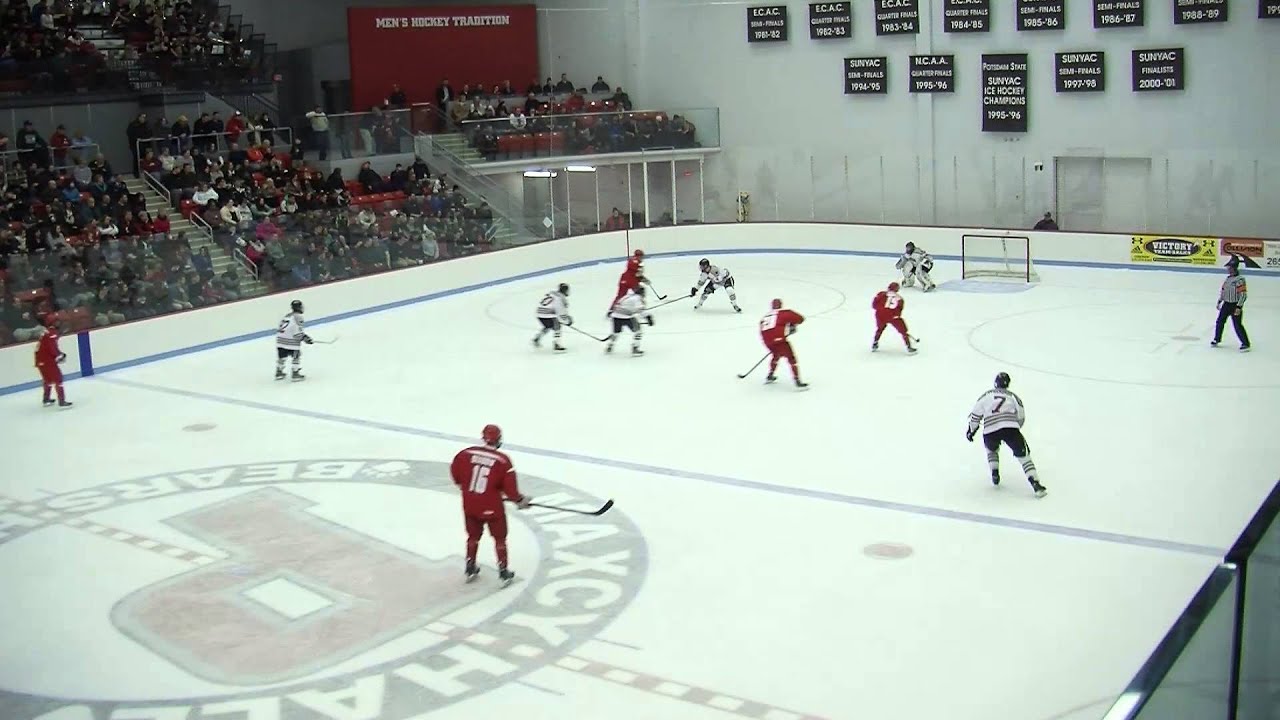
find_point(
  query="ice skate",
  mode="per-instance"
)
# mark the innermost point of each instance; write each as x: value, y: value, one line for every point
x: 298, y: 376
x: 636, y: 351
x: 1039, y: 489
x: 1213, y: 343
x: 49, y: 402
x: 64, y: 404
x: 911, y: 350
x: 608, y: 348
x: 280, y: 375
x: 801, y: 384
x: 558, y: 347
x: 1246, y: 348
x: 995, y: 477
x: 506, y: 576
x: 473, y: 572
x: 737, y: 309
x: 769, y: 378
x: 537, y: 341
x: 875, y: 346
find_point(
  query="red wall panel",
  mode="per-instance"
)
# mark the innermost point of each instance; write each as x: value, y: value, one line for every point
x: 418, y: 47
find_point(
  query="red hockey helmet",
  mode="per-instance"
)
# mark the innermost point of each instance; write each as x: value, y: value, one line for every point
x: 776, y: 304
x: 492, y: 435
x: 893, y: 287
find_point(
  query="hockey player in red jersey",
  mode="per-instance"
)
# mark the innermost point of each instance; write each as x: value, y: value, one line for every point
x: 47, y: 358
x: 631, y: 277
x: 486, y: 477
x: 774, y: 330
x: 888, y: 306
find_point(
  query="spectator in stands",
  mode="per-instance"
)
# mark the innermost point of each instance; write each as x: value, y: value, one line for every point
x: 565, y: 84
x: 204, y: 133
x: 600, y: 86
x: 32, y: 148
x: 369, y: 179
x: 621, y: 99
x: 1046, y: 223
x: 507, y: 90
x: 444, y: 97
x: 204, y: 194
x: 235, y: 127
x: 60, y: 144
x: 180, y: 135
x: 397, y: 97
x: 548, y: 87
x: 319, y: 123
x: 137, y: 131
x: 616, y: 221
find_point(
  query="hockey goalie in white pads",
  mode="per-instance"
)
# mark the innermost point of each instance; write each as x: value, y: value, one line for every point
x: 627, y: 314
x: 710, y: 277
x: 290, y: 337
x: 916, y: 263
x: 1001, y: 415
x: 553, y: 310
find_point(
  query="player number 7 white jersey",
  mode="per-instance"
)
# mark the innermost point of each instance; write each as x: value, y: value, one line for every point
x: 715, y: 275
x: 997, y: 409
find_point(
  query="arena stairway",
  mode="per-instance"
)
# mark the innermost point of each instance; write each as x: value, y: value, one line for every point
x: 198, y: 236
x: 458, y: 147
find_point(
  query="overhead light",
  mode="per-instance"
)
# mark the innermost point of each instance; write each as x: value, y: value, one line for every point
x: 580, y: 168
x: 539, y: 174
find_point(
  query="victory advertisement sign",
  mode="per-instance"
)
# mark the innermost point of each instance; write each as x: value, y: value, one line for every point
x: 418, y: 47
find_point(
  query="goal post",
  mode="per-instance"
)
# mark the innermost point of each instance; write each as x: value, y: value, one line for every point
x: 1001, y: 256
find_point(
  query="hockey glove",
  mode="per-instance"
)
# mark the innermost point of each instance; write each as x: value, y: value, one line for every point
x: 307, y: 339
x: 968, y: 434
x: 62, y: 357
x: 523, y: 502
x: 568, y: 319
x: 649, y: 320
x: 693, y: 291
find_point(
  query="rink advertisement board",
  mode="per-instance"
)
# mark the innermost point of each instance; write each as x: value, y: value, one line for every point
x: 866, y: 75
x: 1269, y: 9
x: 962, y: 16
x: 1042, y: 14
x: 767, y: 23
x: 830, y: 21
x: 1175, y: 250
x: 1118, y: 14
x: 1080, y: 71
x: 1004, y: 93
x: 1159, y: 70
x: 438, y: 43
x: 1253, y: 254
x: 1190, y: 12
x: 933, y: 74
x: 897, y: 17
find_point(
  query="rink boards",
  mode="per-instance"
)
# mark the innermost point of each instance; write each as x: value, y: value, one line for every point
x: 105, y: 349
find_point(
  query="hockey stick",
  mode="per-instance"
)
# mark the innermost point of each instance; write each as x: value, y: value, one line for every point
x: 655, y: 292
x: 584, y: 332
x: 753, y: 367
x: 682, y: 297
x: 603, y: 508
x: 330, y: 341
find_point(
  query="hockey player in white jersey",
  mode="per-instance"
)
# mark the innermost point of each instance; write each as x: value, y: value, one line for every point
x: 290, y: 336
x: 1001, y: 415
x: 627, y: 314
x: 711, y: 277
x: 916, y: 263
x: 553, y: 310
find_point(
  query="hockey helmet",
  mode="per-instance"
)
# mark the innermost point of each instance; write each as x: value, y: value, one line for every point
x: 894, y: 287
x: 638, y: 253
x: 1003, y: 380
x: 492, y: 435
x: 564, y: 289
x: 296, y: 306
x: 911, y: 247
x: 704, y: 263
x: 776, y: 304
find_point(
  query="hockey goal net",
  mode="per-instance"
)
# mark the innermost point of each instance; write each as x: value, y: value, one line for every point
x: 1001, y: 256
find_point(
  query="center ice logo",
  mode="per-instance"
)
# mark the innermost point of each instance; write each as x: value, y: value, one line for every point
x: 267, y: 608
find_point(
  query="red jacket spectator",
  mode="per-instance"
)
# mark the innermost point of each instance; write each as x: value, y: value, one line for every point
x: 235, y: 126
x: 60, y: 142
x: 160, y: 224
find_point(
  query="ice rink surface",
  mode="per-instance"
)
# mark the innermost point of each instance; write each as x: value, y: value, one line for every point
x: 773, y: 553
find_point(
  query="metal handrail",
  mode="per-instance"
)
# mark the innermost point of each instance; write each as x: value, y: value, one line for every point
x: 251, y: 266
x: 154, y: 183
x: 284, y: 130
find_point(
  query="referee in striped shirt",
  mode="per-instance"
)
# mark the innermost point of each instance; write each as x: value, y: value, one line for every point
x: 1231, y: 305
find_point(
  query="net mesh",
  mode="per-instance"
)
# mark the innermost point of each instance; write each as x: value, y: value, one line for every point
x: 999, y: 256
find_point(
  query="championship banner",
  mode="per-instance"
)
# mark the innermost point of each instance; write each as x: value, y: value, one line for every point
x: 1118, y: 13
x: 1253, y: 254
x: 830, y: 21
x: 1041, y: 14
x: 1188, y: 12
x: 1174, y: 250
x: 767, y: 23
x: 1268, y: 9
x: 897, y: 17
x: 960, y: 16
x: 419, y: 47
x: 1004, y: 93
